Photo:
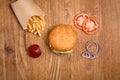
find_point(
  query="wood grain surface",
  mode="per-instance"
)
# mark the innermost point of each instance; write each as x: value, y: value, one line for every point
x: 15, y: 64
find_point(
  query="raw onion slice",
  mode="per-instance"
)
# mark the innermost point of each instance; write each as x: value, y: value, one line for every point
x: 91, y: 54
x: 92, y: 43
x: 88, y: 55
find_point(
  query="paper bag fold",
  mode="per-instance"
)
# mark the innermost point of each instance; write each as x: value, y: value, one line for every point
x: 24, y: 9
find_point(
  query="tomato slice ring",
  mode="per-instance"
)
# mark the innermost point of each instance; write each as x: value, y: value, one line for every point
x: 80, y: 19
x: 90, y: 26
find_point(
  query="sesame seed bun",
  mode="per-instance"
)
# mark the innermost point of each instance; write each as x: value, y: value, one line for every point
x: 62, y: 38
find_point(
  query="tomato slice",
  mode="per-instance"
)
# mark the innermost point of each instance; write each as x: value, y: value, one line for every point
x: 90, y: 26
x: 80, y: 19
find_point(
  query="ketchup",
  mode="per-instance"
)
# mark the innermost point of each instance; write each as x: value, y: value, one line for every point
x: 34, y: 51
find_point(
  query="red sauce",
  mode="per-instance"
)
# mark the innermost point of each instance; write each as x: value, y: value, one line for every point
x: 34, y: 51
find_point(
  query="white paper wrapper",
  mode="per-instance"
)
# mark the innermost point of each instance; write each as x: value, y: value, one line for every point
x: 24, y: 9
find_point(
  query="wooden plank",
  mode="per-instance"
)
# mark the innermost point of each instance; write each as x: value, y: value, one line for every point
x: 15, y: 64
x: 2, y: 57
x: 110, y: 38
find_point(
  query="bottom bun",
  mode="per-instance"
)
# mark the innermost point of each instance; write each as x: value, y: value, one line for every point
x: 60, y: 52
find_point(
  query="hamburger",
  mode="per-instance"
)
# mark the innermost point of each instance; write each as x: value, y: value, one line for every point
x: 62, y: 38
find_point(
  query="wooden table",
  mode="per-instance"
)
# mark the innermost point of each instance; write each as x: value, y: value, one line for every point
x: 15, y: 64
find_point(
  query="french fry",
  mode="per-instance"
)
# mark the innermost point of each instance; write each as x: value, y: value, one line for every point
x: 34, y: 19
x: 42, y: 26
x: 36, y: 25
x: 38, y: 32
x: 29, y: 26
x: 30, y: 20
x: 35, y: 32
x: 37, y: 18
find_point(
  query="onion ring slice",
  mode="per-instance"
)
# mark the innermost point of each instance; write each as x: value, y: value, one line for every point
x: 91, y: 54
x: 88, y: 55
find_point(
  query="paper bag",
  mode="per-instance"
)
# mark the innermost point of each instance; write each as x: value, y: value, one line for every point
x: 24, y: 9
